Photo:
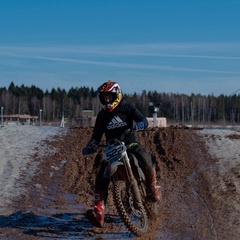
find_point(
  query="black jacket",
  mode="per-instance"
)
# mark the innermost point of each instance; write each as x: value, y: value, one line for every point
x: 113, y: 124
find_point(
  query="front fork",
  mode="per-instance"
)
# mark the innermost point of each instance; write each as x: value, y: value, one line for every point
x: 132, y: 180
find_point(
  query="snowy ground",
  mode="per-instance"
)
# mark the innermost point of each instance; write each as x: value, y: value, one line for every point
x: 223, y: 177
x: 17, y: 144
x: 223, y: 144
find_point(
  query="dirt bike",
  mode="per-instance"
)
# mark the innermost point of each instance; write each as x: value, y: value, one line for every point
x: 129, y: 186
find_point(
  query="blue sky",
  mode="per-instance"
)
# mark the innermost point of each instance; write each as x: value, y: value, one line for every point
x: 187, y: 46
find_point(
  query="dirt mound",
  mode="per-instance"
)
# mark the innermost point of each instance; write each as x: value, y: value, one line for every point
x: 62, y: 190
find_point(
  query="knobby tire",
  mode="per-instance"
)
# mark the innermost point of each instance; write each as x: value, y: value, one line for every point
x: 118, y: 189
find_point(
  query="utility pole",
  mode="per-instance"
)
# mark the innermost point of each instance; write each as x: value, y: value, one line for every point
x: 62, y: 121
x: 40, y: 117
x: 2, y: 115
x: 192, y: 114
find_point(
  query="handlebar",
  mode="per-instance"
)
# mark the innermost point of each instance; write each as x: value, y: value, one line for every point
x: 126, y: 133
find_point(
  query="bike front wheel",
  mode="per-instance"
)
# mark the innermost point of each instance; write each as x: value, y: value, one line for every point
x: 134, y: 216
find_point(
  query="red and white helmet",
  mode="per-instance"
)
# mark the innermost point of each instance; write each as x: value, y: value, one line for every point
x: 112, y: 88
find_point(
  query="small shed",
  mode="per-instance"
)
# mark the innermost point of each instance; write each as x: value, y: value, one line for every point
x: 23, y: 119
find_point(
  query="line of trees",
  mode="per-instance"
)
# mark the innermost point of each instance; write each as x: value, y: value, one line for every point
x: 178, y: 108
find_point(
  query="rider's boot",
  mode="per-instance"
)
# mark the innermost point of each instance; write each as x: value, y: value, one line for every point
x: 96, y: 215
x: 153, y: 191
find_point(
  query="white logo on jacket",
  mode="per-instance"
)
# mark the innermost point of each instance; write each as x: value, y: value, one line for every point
x: 116, y: 122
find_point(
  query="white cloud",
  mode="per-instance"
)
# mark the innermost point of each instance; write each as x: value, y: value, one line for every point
x: 124, y: 65
x: 147, y: 65
x: 174, y: 50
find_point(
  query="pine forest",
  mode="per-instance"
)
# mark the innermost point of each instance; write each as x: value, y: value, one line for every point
x: 177, y: 108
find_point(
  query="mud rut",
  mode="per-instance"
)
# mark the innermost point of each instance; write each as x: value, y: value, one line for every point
x: 62, y: 190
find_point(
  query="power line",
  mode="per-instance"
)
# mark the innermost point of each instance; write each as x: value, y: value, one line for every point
x: 235, y: 92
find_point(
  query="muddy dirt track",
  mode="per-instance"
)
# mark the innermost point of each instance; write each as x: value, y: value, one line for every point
x: 61, y: 191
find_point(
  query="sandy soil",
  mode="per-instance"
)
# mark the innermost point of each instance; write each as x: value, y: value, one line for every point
x: 47, y: 184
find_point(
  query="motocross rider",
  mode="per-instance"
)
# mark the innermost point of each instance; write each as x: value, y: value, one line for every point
x: 115, y: 117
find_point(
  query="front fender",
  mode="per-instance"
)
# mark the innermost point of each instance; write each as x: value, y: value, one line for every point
x: 111, y: 169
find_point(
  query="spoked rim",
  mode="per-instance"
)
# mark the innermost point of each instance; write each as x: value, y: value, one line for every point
x: 134, y: 217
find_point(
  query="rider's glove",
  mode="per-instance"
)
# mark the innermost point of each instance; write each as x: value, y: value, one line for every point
x: 87, y: 150
x: 139, y: 126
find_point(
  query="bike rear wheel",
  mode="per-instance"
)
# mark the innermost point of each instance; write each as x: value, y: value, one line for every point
x: 134, y: 217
